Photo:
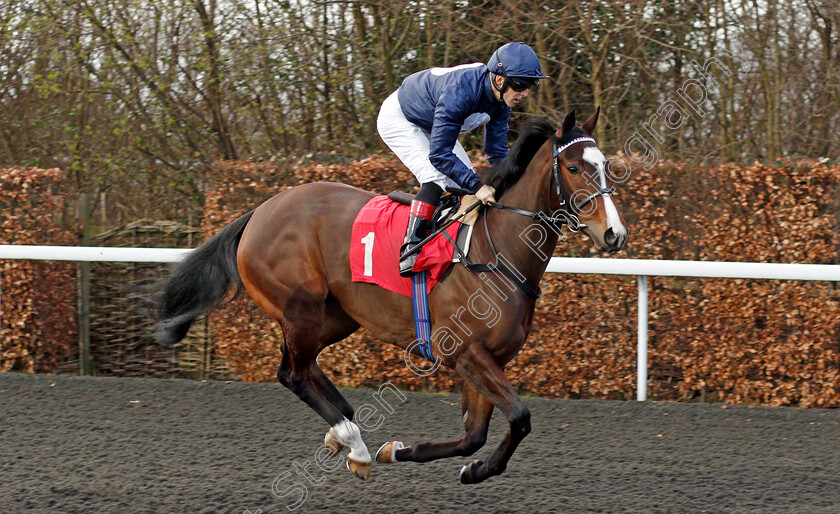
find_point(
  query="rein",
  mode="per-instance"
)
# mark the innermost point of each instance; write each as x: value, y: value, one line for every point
x: 490, y: 266
x: 568, y: 216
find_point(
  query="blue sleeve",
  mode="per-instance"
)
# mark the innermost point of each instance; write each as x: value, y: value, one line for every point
x: 496, y: 138
x: 450, y: 114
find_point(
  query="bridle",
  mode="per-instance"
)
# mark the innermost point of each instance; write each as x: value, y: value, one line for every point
x: 568, y: 211
x: 567, y: 216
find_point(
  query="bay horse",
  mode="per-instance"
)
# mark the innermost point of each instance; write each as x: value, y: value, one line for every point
x: 291, y: 254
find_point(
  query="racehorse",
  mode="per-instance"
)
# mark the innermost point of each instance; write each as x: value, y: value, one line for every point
x: 291, y: 254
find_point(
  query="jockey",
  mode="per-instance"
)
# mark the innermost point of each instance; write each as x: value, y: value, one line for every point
x: 420, y: 122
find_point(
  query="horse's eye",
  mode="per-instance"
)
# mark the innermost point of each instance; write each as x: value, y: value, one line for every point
x: 572, y: 169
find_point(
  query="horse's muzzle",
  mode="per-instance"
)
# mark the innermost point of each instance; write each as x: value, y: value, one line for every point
x: 614, y: 242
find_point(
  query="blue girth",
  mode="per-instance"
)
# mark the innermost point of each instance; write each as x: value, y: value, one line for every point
x: 422, y: 324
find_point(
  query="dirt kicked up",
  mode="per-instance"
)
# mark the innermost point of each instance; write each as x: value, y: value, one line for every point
x: 71, y: 444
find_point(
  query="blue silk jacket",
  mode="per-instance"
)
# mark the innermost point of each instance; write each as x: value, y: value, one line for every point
x: 448, y: 101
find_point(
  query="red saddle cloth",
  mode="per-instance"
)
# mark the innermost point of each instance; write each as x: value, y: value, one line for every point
x: 378, y: 234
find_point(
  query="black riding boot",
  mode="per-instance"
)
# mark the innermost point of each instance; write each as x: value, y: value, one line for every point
x: 422, y: 209
x: 418, y: 229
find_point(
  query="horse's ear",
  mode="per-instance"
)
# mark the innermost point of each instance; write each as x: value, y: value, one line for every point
x: 569, y: 122
x: 589, y: 125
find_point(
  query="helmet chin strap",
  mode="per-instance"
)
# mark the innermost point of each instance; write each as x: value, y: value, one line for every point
x: 501, y: 90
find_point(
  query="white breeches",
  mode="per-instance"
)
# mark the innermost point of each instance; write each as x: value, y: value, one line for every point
x: 411, y: 143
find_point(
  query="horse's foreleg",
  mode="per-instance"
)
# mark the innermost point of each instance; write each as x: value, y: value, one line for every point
x: 476, y: 412
x: 480, y: 369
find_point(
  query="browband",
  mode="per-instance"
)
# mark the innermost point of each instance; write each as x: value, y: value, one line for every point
x: 573, y: 141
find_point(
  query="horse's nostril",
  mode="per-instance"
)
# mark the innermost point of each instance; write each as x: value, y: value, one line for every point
x: 609, y: 237
x: 613, y: 241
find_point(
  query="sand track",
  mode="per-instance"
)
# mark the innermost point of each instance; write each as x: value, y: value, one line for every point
x: 72, y: 444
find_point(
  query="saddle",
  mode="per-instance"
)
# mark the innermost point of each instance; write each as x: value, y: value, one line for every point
x: 452, y: 204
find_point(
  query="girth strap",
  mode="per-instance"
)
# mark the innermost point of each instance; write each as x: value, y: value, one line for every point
x: 422, y: 320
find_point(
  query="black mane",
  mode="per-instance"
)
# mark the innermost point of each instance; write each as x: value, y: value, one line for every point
x: 535, y: 132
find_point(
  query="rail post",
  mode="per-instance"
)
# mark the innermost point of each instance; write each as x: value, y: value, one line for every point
x: 642, y: 357
x: 84, y: 291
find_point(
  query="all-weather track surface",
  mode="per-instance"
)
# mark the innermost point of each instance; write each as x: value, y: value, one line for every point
x: 73, y: 444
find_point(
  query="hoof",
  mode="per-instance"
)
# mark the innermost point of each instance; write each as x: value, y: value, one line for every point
x: 469, y: 475
x: 331, y: 440
x: 387, y: 453
x: 360, y: 469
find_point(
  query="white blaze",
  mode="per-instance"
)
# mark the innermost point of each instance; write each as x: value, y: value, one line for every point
x: 593, y: 155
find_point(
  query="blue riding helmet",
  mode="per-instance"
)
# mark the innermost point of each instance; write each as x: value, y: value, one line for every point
x: 516, y: 60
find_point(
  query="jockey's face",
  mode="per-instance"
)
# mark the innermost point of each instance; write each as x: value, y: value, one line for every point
x: 511, y: 97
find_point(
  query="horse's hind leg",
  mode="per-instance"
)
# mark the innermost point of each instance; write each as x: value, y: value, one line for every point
x: 307, y: 331
x: 337, y: 325
x: 476, y: 412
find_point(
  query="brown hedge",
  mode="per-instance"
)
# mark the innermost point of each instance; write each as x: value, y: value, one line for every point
x: 741, y: 341
x: 38, y: 297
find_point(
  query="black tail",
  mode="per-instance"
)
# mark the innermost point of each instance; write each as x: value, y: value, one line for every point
x: 200, y: 283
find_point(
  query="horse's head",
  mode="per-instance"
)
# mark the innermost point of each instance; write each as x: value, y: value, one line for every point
x: 583, y: 183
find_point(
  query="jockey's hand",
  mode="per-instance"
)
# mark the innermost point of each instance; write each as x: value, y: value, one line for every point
x: 486, y: 194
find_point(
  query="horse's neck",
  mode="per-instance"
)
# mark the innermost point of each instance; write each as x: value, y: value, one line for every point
x: 508, y: 230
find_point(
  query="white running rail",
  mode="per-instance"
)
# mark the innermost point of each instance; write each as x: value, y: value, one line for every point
x: 92, y: 253
x: 641, y: 268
